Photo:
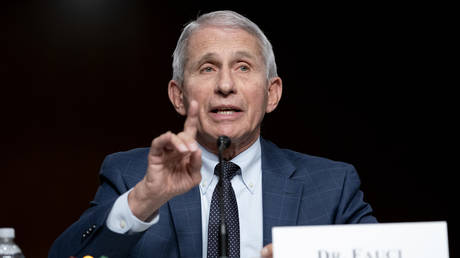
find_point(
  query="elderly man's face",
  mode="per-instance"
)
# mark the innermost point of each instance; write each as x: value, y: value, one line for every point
x: 225, y: 73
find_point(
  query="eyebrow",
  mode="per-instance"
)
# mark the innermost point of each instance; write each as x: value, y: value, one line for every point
x: 244, y: 54
x: 212, y: 57
x: 207, y: 57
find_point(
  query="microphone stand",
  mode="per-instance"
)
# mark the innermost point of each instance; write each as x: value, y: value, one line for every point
x: 223, y: 142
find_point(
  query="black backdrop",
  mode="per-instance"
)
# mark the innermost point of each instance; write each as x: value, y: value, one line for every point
x: 364, y: 84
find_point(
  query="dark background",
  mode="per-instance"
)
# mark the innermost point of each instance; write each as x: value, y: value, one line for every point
x: 365, y: 84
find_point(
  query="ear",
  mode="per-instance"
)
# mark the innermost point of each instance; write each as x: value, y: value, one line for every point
x: 275, y: 89
x: 176, y: 96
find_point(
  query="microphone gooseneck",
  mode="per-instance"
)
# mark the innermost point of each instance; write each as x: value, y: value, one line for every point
x: 223, y: 142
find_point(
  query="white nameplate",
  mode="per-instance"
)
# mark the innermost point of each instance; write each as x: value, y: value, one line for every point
x: 384, y: 240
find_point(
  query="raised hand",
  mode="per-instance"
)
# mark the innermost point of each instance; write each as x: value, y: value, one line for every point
x: 174, y: 164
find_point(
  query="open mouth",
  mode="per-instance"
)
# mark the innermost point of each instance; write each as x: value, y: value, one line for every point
x: 225, y: 110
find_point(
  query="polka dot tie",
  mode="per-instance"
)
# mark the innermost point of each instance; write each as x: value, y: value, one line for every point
x: 231, y: 213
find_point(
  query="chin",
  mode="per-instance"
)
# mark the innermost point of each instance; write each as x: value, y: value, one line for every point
x: 211, y: 137
x: 229, y: 133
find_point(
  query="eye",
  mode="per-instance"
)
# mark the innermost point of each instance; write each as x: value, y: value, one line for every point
x: 206, y: 69
x: 244, y: 68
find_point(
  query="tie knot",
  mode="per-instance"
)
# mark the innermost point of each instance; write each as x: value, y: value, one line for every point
x: 229, y: 169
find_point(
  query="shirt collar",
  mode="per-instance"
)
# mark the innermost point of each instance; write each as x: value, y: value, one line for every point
x: 246, y: 160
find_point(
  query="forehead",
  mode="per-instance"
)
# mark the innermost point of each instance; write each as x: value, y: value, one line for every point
x: 222, y: 41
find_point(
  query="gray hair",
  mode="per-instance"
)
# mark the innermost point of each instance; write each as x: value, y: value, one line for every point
x: 223, y: 19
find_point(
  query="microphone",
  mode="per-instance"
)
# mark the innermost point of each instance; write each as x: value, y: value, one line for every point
x: 223, y: 142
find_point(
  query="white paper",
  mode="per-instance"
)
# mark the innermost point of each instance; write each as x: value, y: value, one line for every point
x: 383, y: 240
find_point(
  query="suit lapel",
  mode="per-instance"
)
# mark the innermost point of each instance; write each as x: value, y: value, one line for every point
x: 280, y: 194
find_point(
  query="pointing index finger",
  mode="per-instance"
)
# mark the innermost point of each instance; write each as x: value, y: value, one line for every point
x: 191, y: 123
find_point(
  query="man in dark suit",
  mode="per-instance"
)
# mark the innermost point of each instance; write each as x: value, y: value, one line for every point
x: 158, y: 201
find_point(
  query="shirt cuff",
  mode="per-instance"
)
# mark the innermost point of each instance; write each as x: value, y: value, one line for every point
x: 121, y: 219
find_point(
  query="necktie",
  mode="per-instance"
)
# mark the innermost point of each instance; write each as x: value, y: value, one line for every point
x: 230, y: 211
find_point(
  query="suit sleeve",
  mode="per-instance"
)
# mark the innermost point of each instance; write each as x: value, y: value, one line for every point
x: 352, y: 208
x: 90, y: 235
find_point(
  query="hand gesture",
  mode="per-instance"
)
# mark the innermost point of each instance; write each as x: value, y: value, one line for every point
x: 174, y: 164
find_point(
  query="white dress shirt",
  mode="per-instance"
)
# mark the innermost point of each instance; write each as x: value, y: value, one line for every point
x: 248, y: 193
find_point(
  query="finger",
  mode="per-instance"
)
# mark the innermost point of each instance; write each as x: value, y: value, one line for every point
x: 179, y: 144
x: 167, y: 141
x: 187, y: 139
x: 267, y: 251
x: 191, y: 123
x: 159, y: 143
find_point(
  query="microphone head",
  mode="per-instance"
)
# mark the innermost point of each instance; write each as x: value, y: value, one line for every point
x: 223, y: 142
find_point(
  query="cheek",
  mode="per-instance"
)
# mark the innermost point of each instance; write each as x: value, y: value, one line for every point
x: 257, y: 101
x: 200, y: 95
x: 260, y: 95
x: 197, y: 91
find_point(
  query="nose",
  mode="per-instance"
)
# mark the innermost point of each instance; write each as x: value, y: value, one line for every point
x: 225, y: 83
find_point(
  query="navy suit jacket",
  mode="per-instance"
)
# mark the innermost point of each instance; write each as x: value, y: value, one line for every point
x: 298, y: 189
